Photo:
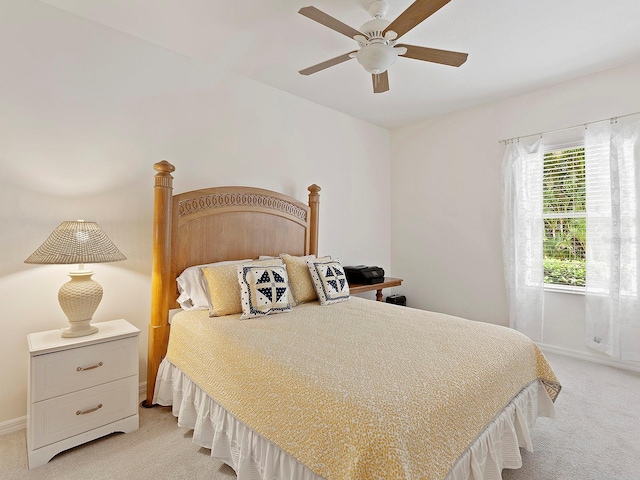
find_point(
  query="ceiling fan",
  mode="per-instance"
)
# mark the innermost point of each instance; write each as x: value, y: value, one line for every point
x: 378, y: 38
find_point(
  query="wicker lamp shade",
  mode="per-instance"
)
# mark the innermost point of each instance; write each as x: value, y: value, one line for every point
x: 78, y: 242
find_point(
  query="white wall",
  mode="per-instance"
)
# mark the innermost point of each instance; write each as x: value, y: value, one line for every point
x: 85, y: 111
x: 446, y: 199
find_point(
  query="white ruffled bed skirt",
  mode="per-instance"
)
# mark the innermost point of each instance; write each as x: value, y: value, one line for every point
x: 255, y: 458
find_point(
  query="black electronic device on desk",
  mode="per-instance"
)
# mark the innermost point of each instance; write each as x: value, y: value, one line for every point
x: 364, y: 275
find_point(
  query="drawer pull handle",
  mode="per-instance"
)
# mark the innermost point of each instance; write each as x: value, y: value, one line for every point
x: 82, y: 369
x: 91, y: 410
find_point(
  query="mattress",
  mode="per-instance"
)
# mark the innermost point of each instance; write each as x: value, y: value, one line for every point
x: 361, y: 389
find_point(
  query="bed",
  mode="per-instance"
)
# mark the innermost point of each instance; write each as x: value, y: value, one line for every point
x: 352, y: 389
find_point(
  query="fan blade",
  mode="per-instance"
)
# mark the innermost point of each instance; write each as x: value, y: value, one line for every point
x: 417, y: 12
x: 380, y: 82
x: 328, y: 21
x: 445, y: 57
x: 327, y: 64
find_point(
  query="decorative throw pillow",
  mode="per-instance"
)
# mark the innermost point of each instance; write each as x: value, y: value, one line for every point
x: 329, y: 280
x: 264, y: 290
x: 224, y: 289
x: 299, y: 278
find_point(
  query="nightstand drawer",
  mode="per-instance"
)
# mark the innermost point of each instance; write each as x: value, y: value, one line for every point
x: 71, y: 370
x: 68, y: 415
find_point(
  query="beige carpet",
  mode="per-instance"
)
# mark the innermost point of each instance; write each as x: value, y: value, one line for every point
x: 595, y: 436
x: 596, y: 432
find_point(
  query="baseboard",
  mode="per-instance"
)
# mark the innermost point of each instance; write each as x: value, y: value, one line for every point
x: 567, y: 352
x: 16, y: 424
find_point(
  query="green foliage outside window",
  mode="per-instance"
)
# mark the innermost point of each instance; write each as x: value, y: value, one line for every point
x: 564, y: 223
x: 565, y: 272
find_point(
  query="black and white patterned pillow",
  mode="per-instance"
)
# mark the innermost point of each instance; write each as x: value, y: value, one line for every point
x: 329, y: 280
x: 264, y: 290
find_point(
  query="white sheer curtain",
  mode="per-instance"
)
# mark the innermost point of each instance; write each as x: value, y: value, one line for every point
x: 522, y: 235
x: 612, y: 165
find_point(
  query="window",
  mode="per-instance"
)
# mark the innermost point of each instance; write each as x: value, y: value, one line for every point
x: 574, y: 210
x: 564, y: 214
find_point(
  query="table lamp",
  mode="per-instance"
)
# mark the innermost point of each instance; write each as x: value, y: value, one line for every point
x: 78, y: 242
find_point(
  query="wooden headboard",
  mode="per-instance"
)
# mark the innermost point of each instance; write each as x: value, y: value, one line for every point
x: 211, y: 225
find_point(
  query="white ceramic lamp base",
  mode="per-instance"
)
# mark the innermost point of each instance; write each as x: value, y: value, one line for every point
x: 79, y: 298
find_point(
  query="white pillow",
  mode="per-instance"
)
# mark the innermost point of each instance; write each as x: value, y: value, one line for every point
x: 194, y: 293
x: 329, y: 280
x: 264, y: 290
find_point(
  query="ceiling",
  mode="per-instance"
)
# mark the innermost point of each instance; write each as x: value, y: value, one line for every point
x: 514, y: 46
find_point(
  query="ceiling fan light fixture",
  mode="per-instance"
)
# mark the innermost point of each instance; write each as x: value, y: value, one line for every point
x: 376, y: 58
x: 378, y: 37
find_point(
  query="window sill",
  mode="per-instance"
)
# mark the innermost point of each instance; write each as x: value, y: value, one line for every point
x: 564, y: 289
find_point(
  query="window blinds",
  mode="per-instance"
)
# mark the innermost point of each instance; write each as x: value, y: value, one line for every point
x: 564, y: 192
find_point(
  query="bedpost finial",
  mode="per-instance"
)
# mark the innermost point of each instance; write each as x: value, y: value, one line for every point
x: 163, y: 167
x: 314, y: 189
x: 163, y: 177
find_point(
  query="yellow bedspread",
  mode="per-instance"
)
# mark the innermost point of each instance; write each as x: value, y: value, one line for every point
x: 360, y: 389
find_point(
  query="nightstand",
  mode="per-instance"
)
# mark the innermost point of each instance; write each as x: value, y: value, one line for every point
x: 81, y: 388
x: 388, y: 282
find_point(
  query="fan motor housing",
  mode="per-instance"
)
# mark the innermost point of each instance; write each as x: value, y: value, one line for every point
x: 374, y: 28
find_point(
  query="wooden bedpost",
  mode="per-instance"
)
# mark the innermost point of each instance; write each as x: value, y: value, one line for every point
x: 160, y: 274
x: 314, y: 205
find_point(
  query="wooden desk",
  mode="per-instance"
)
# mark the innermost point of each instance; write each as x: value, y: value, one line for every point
x: 388, y: 282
